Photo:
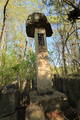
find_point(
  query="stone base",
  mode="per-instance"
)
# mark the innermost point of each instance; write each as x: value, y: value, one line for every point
x: 49, y: 99
x: 51, y: 105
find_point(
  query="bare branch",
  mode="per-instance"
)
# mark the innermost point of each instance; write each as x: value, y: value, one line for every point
x: 71, y: 34
x: 70, y: 3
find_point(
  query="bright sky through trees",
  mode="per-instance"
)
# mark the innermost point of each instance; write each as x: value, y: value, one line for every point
x: 14, y: 36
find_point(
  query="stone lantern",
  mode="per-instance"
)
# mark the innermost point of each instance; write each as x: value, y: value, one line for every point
x: 38, y: 27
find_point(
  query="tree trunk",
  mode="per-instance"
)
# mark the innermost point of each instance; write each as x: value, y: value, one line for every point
x: 64, y: 60
x: 4, y: 19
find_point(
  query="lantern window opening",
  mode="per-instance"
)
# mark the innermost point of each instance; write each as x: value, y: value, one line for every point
x: 41, y: 39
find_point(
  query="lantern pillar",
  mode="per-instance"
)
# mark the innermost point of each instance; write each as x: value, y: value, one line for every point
x: 44, y: 82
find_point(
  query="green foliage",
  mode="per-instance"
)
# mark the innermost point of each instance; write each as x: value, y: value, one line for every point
x: 7, y: 75
x: 21, y: 71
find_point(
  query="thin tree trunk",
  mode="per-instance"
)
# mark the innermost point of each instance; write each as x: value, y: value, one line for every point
x: 64, y: 60
x: 4, y: 19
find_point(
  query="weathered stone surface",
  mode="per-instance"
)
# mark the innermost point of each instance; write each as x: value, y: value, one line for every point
x: 49, y: 99
x: 34, y: 112
x: 42, y: 64
x: 37, y: 20
x: 44, y: 74
x: 55, y: 104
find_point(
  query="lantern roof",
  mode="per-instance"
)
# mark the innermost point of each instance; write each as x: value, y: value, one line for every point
x: 37, y: 20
